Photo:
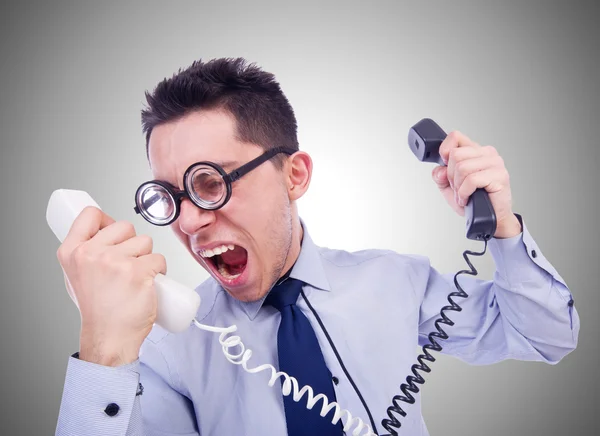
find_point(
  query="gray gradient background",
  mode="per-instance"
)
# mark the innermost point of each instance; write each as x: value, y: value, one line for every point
x: 521, y: 76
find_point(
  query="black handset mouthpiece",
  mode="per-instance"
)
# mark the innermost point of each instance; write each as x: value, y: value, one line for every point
x: 424, y: 139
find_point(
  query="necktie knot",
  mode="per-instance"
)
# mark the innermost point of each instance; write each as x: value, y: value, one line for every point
x: 284, y: 294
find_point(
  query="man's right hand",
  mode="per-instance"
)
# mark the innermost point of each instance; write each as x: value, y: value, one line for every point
x: 109, y: 272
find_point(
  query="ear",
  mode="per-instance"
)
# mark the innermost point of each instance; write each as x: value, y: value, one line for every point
x: 299, y: 171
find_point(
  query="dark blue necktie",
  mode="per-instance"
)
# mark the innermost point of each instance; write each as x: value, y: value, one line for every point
x: 300, y: 357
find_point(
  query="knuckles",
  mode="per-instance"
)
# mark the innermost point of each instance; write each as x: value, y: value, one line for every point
x: 126, y: 227
x: 452, y: 155
x: 446, y: 149
x: 113, y: 265
x: 147, y: 241
x: 61, y: 255
x: 93, y: 212
x: 87, y: 255
x: 125, y: 269
x: 82, y: 254
x: 459, y: 168
x: 455, y: 135
x: 491, y: 150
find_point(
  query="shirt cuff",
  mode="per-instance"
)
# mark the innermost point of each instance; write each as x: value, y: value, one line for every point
x: 97, y: 396
x: 519, y: 258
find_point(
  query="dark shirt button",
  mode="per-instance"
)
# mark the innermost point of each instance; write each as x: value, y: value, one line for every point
x: 335, y: 380
x: 112, y: 409
x: 570, y: 303
x: 533, y: 253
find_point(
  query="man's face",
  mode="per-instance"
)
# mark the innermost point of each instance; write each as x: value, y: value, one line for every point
x: 257, y: 220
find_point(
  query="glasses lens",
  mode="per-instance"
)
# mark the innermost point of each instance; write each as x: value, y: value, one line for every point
x: 156, y: 204
x: 207, y: 186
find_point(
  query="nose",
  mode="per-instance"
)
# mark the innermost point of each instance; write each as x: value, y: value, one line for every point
x: 192, y: 219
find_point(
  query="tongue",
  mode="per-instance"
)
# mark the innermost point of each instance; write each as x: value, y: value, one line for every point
x: 236, y: 257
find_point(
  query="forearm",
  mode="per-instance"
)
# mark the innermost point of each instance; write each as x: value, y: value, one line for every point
x: 100, y: 400
x: 533, y: 299
x: 524, y: 313
x: 157, y: 409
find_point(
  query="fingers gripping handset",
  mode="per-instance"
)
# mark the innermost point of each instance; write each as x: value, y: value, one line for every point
x: 105, y: 242
x: 424, y: 139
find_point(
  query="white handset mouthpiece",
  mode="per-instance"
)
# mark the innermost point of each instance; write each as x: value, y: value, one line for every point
x: 177, y: 304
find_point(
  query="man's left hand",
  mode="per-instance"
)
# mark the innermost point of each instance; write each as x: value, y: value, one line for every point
x: 471, y: 166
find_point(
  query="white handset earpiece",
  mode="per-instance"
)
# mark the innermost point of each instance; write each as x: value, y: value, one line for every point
x: 177, y: 304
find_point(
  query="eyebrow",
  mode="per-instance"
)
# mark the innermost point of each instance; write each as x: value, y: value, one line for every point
x: 225, y: 164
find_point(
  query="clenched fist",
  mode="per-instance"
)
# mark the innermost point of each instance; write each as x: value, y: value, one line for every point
x: 471, y: 166
x: 109, y: 273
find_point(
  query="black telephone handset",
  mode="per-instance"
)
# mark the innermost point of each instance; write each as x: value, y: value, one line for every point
x: 424, y: 139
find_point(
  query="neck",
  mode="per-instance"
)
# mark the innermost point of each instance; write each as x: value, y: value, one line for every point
x: 294, y: 252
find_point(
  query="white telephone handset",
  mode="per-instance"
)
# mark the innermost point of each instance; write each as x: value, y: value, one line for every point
x: 177, y: 308
x: 177, y: 304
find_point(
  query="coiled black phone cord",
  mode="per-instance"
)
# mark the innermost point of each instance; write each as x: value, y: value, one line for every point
x: 393, y: 422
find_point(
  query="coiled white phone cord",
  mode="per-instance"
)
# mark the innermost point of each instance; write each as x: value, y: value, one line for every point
x: 288, y: 383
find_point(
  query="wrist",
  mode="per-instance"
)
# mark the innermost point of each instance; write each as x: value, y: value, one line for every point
x: 106, y: 353
x: 106, y: 358
x: 508, y: 228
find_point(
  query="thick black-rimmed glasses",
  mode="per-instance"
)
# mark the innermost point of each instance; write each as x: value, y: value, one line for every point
x: 206, y: 184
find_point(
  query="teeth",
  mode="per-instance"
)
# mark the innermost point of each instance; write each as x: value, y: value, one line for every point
x: 217, y: 250
x: 224, y: 273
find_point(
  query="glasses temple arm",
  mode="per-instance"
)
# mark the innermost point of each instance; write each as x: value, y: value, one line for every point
x: 246, y: 168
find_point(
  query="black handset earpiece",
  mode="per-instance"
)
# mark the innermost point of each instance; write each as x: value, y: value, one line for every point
x: 424, y: 139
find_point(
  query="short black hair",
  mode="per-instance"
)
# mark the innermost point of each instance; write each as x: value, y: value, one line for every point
x: 262, y: 112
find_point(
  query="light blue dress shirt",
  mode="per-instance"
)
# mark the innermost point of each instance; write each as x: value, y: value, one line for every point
x: 376, y: 305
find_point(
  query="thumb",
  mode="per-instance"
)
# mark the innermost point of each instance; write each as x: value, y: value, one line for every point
x: 440, y: 176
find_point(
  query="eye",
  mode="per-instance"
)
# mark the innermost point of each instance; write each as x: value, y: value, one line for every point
x: 212, y: 185
x: 209, y: 185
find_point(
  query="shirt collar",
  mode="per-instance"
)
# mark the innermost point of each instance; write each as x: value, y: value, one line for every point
x: 307, y: 268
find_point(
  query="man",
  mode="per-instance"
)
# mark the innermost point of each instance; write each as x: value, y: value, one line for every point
x: 347, y: 324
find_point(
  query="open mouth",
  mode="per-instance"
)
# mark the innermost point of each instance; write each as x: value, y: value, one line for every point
x: 227, y: 261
